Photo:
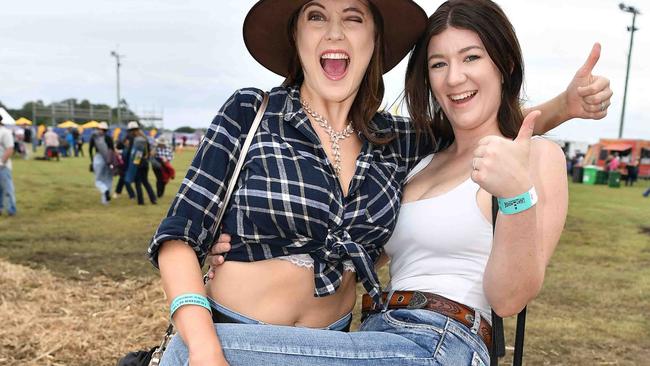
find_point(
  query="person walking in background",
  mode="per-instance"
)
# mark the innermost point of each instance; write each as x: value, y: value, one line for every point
x: 51, y: 141
x: 124, y: 150
x: 138, y: 169
x: 161, y: 165
x: 101, y: 163
x: 174, y: 142
x: 6, y: 181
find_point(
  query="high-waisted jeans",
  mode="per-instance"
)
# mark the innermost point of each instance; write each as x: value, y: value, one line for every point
x: 395, y: 337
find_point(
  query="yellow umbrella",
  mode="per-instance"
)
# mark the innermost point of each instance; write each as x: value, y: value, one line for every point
x: 67, y: 124
x: 40, y: 131
x: 23, y: 121
x: 90, y: 124
x: 116, y: 133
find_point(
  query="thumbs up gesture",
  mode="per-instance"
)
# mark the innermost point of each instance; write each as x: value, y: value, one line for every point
x: 588, y: 96
x: 501, y: 166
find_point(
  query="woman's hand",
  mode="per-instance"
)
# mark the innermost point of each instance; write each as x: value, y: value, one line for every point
x: 215, y: 258
x: 501, y: 166
x: 588, y: 96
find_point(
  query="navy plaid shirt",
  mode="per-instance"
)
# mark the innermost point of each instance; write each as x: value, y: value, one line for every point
x: 288, y: 199
x: 164, y: 152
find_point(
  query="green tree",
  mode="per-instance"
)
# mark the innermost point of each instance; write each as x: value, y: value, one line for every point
x: 185, y: 129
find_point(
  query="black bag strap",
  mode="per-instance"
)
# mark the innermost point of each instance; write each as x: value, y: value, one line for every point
x: 498, y: 336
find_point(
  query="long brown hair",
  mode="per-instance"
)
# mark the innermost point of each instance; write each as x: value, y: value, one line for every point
x: 490, y: 23
x: 371, y: 90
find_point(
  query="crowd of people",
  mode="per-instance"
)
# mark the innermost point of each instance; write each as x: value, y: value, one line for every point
x: 127, y: 158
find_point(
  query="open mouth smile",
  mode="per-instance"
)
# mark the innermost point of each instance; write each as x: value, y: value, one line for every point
x: 462, y: 97
x: 335, y: 64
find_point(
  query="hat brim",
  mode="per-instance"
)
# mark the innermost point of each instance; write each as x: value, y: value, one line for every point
x: 266, y: 33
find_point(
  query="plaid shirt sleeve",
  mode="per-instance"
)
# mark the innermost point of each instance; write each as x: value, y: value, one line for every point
x: 164, y: 152
x: 192, y: 215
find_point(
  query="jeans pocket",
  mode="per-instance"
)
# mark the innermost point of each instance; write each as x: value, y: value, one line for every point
x: 407, y: 319
x: 477, y: 361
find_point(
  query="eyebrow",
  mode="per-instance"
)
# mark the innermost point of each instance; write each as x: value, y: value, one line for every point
x: 346, y: 10
x: 312, y: 3
x: 355, y: 10
x: 462, y: 50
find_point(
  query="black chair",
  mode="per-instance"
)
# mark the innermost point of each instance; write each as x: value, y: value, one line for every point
x: 498, y: 336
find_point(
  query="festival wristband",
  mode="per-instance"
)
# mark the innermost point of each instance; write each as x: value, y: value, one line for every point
x: 188, y: 299
x: 511, y: 206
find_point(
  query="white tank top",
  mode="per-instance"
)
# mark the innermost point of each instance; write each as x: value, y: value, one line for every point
x: 441, y: 245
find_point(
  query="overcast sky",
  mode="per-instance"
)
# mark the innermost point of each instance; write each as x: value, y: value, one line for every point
x: 186, y: 57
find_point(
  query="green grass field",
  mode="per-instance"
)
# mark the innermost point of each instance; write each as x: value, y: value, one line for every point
x: 593, y: 309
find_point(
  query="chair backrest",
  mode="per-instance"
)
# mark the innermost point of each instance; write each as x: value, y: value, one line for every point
x: 498, y: 336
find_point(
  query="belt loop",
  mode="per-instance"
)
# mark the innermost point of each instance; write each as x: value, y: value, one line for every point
x: 388, y: 298
x: 477, y: 322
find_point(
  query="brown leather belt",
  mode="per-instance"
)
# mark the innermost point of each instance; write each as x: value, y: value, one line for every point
x: 424, y: 300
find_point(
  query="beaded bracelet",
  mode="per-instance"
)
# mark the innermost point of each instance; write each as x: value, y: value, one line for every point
x: 188, y: 299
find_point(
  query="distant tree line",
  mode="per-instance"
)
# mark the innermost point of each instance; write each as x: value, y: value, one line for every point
x: 27, y: 110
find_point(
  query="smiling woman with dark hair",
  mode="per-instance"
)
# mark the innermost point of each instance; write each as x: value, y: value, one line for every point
x: 317, y: 198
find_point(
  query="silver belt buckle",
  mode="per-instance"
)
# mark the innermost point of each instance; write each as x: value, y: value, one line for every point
x: 418, y: 301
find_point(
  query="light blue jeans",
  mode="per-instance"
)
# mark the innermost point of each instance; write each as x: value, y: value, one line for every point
x: 396, y: 337
x: 7, y: 191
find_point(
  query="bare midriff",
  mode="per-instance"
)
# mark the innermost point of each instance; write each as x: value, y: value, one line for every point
x: 278, y: 292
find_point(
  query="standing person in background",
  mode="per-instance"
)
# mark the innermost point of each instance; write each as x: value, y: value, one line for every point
x: 632, y: 172
x: 101, y: 163
x: 173, y: 142
x: 6, y: 180
x: 51, y: 141
x: 71, y: 141
x: 163, y: 169
x: 27, y: 138
x: 614, y: 163
x: 77, y: 143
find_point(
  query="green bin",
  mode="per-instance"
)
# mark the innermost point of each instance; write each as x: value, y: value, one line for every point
x: 614, y: 179
x: 601, y: 177
x: 589, y: 174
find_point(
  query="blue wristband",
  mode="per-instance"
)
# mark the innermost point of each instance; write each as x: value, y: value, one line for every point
x: 188, y: 299
x: 523, y: 202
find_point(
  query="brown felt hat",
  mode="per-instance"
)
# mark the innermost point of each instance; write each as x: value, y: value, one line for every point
x: 266, y: 32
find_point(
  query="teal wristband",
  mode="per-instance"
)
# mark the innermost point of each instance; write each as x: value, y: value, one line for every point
x: 523, y: 202
x: 188, y: 299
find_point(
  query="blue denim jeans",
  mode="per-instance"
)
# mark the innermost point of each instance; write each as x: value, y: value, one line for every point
x: 396, y: 337
x: 7, y: 192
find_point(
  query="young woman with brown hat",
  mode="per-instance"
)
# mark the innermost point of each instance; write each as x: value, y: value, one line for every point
x: 322, y: 212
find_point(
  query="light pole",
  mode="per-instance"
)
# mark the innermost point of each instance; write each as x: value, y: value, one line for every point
x: 119, y: 104
x: 632, y: 29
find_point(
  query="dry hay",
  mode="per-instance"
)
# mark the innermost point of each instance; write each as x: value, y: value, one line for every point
x: 46, y: 320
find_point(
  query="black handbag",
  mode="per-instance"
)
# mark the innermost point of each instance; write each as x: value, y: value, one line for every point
x: 153, y: 356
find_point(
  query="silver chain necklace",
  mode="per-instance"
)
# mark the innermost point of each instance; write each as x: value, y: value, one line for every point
x: 335, y: 137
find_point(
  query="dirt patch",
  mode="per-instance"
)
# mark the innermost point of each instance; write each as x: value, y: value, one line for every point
x: 48, y: 320
x: 644, y: 230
